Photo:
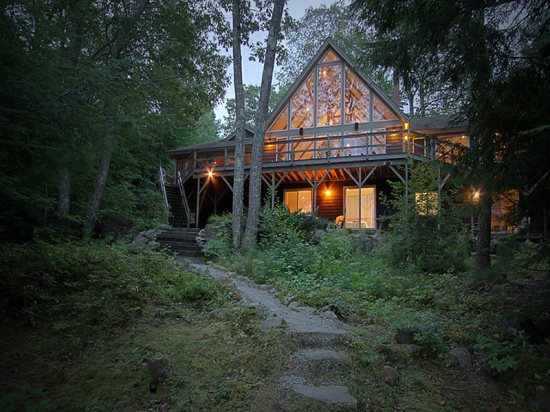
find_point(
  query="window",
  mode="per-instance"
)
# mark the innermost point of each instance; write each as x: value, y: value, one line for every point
x: 281, y: 123
x: 381, y: 111
x: 502, y: 211
x: 298, y: 200
x: 303, y: 148
x: 329, y: 56
x: 357, y: 99
x: 329, y: 95
x: 426, y: 203
x: 302, y: 105
x: 360, y: 207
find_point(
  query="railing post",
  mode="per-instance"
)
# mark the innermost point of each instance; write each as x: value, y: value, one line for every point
x: 291, y: 149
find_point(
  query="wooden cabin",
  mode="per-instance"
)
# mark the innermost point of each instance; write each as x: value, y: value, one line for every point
x: 332, y: 145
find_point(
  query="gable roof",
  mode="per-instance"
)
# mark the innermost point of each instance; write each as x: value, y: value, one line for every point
x: 329, y: 44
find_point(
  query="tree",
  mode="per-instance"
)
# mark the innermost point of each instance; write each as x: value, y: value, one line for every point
x: 255, y: 187
x: 57, y: 98
x: 251, y: 98
x: 488, y: 52
x: 339, y: 22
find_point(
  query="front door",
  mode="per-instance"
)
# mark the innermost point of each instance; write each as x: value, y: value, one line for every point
x: 360, y: 207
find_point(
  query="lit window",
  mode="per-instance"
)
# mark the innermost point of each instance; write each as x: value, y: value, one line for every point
x: 381, y: 111
x: 302, y: 105
x: 357, y: 99
x: 329, y: 95
x: 281, y: 123
x: 426, y: 203
x: 298, y: 200
x: 329, y: 56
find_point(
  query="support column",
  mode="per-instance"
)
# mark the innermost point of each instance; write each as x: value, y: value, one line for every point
x: 273, y: 191
x: 360, y: 180
x: 198, y: 202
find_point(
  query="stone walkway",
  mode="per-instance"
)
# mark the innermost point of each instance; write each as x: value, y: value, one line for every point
x: 318, y: 370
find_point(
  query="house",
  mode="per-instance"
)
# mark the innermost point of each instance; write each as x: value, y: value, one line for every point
x: 332, y: 145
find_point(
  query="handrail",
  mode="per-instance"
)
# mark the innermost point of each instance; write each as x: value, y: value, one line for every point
x: 179, y: 183
x: 162, y: 184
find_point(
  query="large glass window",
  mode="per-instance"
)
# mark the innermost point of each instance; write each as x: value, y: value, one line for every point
x: 360, y: 207
x: 302, y: 105
x: 329, y: 95
x: 381, y: 111
x: 329, y: 56
x: 281, y: 123
x: 357, y: 99
x: 298, y: 200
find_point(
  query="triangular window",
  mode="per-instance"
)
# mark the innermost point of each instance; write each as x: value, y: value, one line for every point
x: 281, y: 123
x: 330, y: 56
x: 381, y: 111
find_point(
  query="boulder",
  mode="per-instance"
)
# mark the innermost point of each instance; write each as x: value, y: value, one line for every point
x: 287, y: 300
x: 461, y: 358
x: 328, y: 315
x: 391, y: 375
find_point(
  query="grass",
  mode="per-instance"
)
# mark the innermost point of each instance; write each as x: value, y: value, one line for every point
x: 212, y: 347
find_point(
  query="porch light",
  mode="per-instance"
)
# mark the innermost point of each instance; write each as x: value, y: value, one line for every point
x: 475, y: 195
x: 327, y: 192
x: 406, y: 125
x: 406, y: 137
x: 210, y: 173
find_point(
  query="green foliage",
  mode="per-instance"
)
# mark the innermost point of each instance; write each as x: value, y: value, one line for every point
x: 220, y: 245
x: 420, y: 237
x: 79, y: 285
x: 427, y: 330
x: 503, y: 354
x: 66, y: 98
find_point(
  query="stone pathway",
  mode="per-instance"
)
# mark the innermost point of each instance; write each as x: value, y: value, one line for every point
x: 318, y: 370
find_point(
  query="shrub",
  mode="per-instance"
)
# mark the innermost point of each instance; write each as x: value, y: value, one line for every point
x: 220, y: 245
x: 417, y: 235
x: 502, y: 354
x: 427, y: 330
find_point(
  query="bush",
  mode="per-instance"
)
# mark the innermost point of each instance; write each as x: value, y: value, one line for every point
x: 417, y: 236
x: 220, y: 245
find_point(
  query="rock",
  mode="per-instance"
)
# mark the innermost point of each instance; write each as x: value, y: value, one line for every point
x: 158, y: 374
x: 287, y: 300
x: 328, y: 308
x: 390, y: 375
x: 330, y: 394
x: 272, y: 322
x: 150, y: 234
x: 294, y: 304
x: 328, y: 315
x: 164, y: 226
x: 405, y: 336
x: 461, y: 358
x: 147, y: 237
x: 254, y: 305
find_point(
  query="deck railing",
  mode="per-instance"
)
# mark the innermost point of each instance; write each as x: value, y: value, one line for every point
x: 332, y: 149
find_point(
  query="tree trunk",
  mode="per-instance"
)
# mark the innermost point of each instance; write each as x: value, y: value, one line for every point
x: 255, y: 184
x: 99, y: 189
x: 238, y: 175
x: 64, y: 199
x: 483, y: 241
x: 117, y: 47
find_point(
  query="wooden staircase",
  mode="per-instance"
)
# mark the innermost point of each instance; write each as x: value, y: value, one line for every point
x: 181, y: 241
x: 177, y: 216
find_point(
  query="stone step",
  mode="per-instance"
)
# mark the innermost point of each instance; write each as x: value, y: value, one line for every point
x: 181, y: 245
x: 338, y: 395
x: 184, y: 237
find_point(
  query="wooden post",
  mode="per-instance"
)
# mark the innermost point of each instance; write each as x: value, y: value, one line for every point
x: 438, y: 199
x: 198, y: 202
x: 407, y: 183
x: 314, y: 190
x: 360, y: 180
x: 272, y: 190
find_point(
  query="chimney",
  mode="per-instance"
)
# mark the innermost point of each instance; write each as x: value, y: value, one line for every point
x: 395, y: 89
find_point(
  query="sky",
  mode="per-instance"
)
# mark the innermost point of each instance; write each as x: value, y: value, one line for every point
x: 252, y: 71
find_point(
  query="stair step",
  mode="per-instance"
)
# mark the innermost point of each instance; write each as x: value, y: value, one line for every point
x: 177, y: 238
x: 181, y: 246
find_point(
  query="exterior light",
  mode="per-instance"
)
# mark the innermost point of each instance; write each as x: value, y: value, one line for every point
x: 327, y: 192
x: 406, y: 125
x: 210, y: 173
x: 476, y: 195
x: 406, y: 137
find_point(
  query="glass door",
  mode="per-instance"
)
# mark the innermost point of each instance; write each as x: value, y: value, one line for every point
x: 360, y: 207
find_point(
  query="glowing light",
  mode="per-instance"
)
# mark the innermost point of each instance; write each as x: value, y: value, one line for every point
x: 327, y: 192
x: 406, y: 125
x: 476, y: 195
x: 406, y: 137
x: 210, y: 173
